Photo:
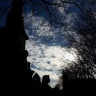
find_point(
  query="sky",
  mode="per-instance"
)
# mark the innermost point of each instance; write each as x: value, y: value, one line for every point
x: 48, y: 43
x: 48, y: 60
x: 48, y: 46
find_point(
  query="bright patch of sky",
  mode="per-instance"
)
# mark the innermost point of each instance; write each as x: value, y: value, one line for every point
x: 48, y: 47
x: 47, y: 43
x: 48, y: 60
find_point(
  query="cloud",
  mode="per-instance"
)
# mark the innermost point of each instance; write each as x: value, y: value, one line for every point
x: 47, y: 45
x: 39, y: 30
x: 47, y: 60
x: 36, y: 25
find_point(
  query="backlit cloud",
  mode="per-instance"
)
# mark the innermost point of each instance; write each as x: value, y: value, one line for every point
x: 47, y: 60
x: 47, y: 45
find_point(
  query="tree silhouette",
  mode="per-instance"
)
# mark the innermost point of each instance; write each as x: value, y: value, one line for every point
x: 81, y: 74
x: 16, y: 75
x: 86, y: 45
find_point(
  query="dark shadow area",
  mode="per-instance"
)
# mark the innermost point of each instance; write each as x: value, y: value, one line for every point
x: 16, y: 75
x: 78, y: 86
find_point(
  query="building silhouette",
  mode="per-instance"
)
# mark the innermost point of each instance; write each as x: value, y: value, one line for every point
x: 16, y: 74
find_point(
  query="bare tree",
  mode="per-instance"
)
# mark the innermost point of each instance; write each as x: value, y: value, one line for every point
x: 85, y: 44
x: 50, y: 11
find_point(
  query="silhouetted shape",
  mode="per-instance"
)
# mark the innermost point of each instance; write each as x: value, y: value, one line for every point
x: 16, y: 75
x: 36, y: 87
x: 65, y: 80
x: 56, y: 91
x: 36, y: 80
x: 46, y: 79
x: 46, y: 89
